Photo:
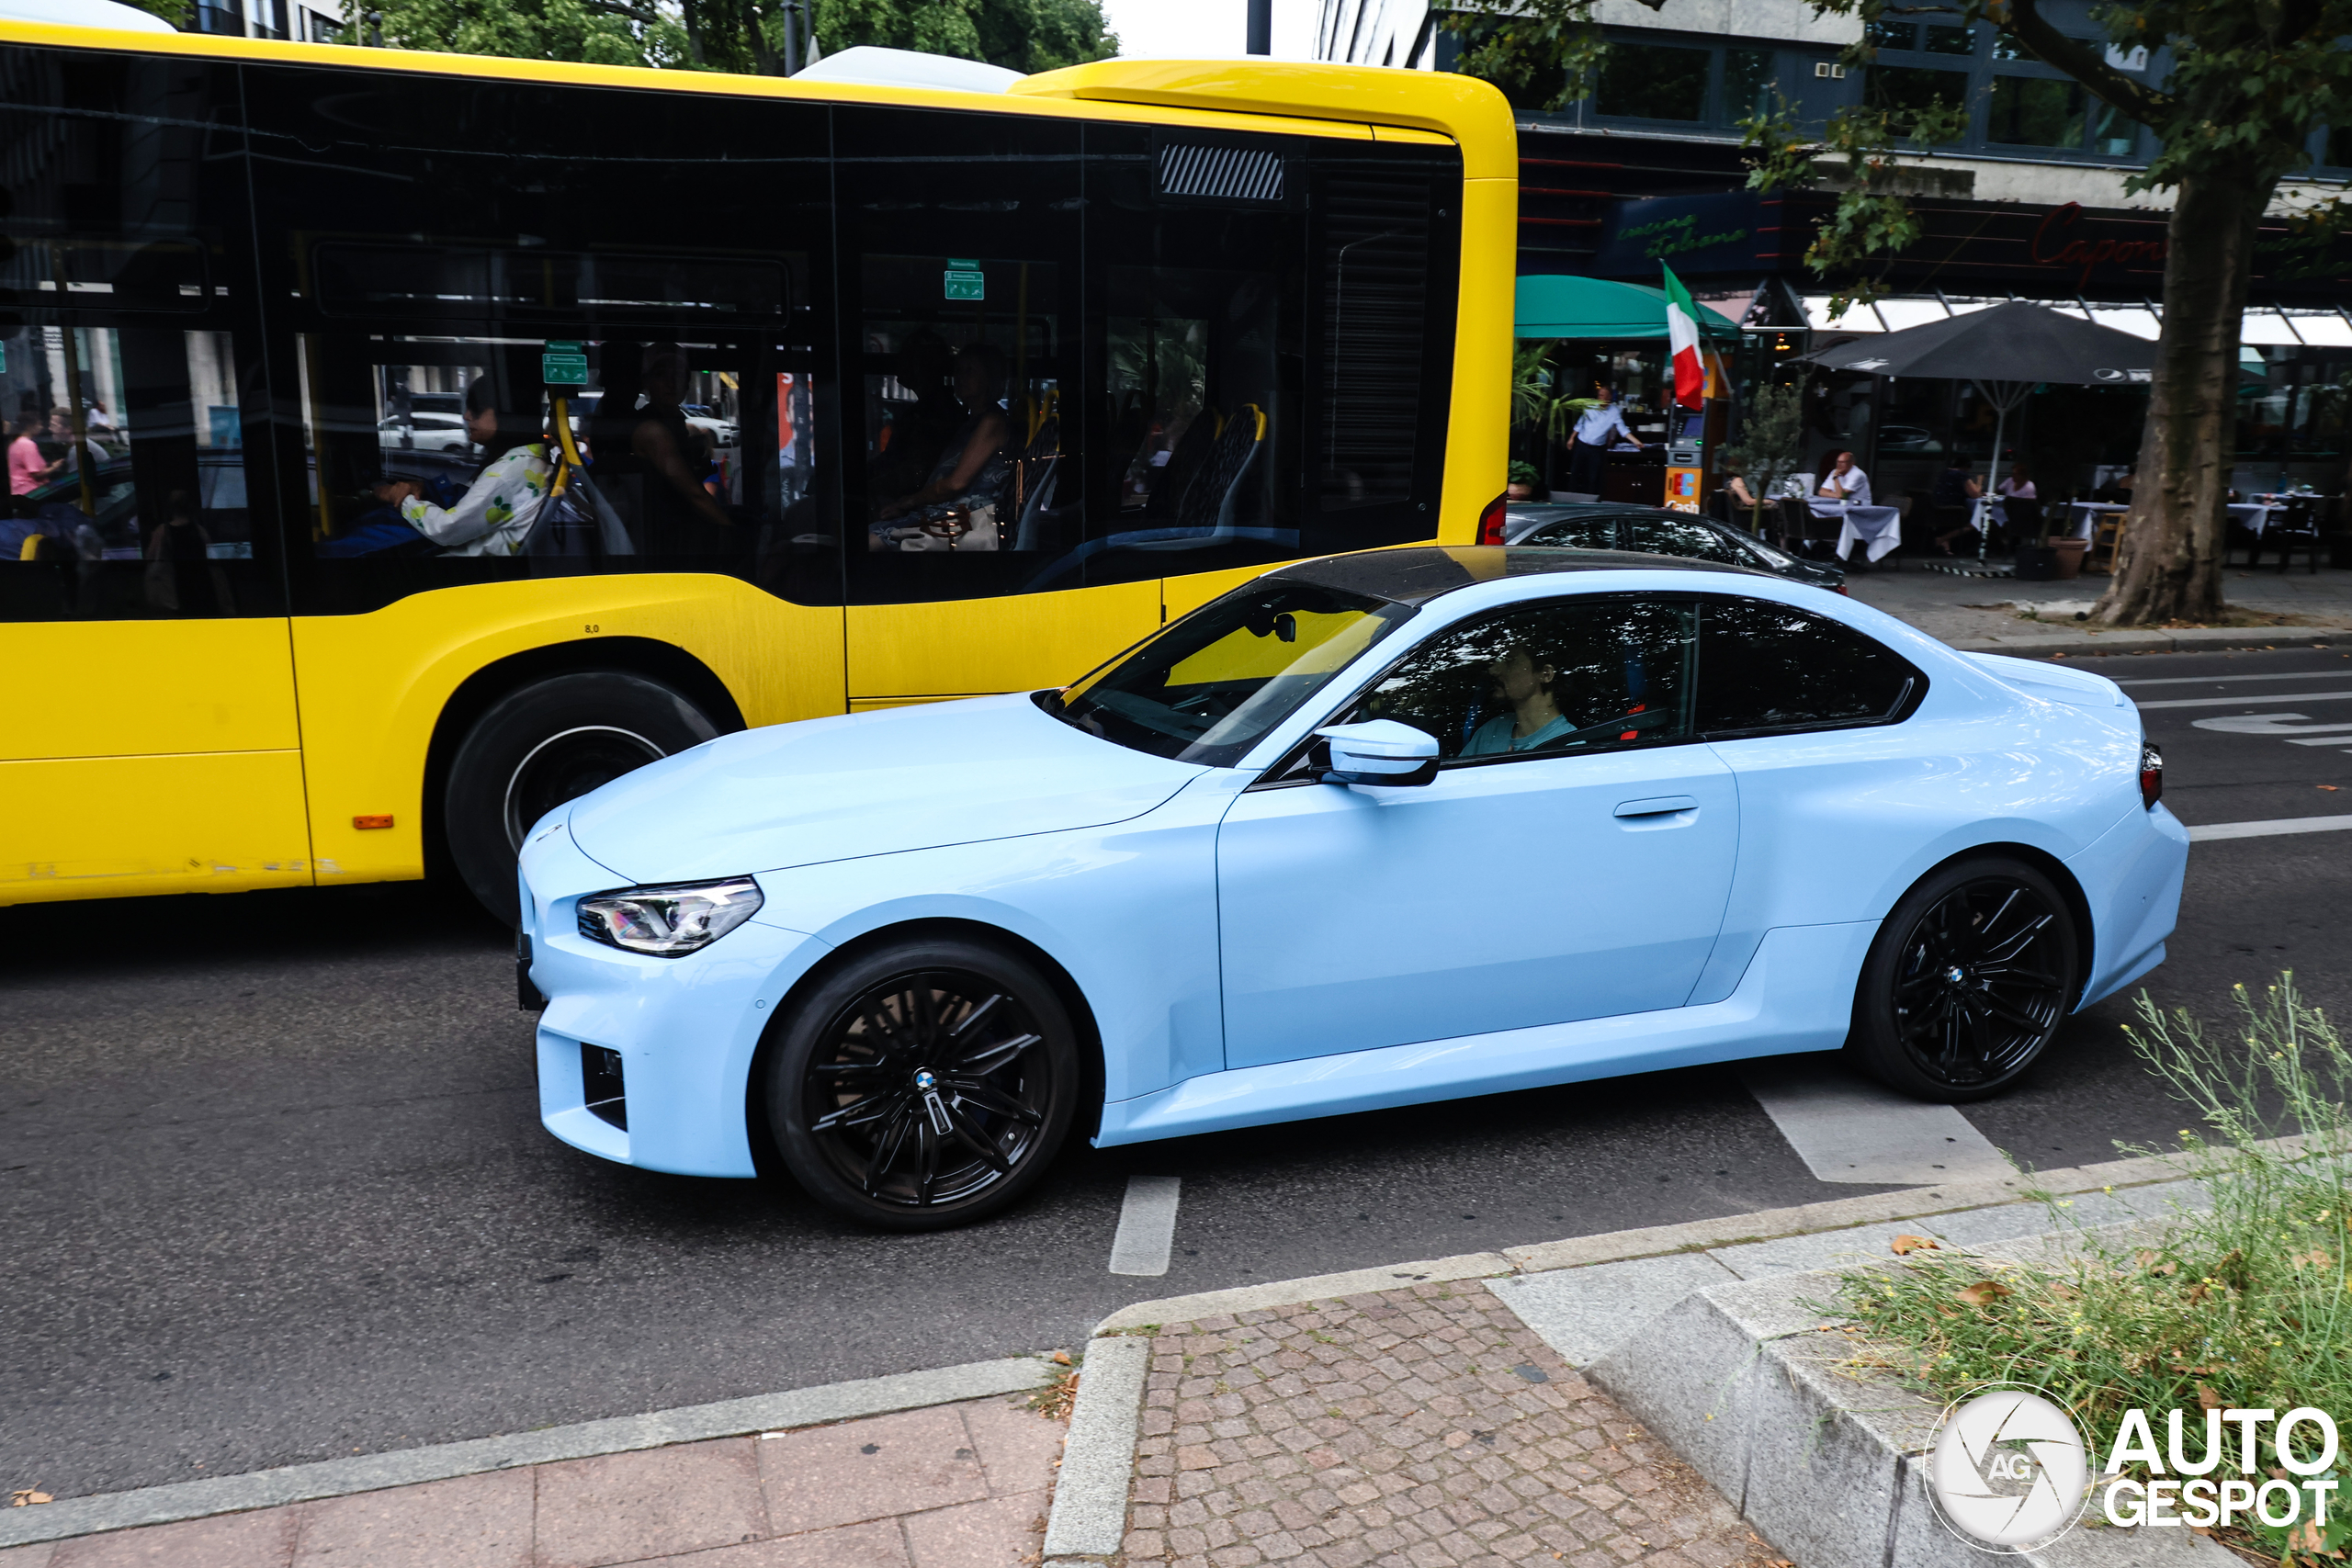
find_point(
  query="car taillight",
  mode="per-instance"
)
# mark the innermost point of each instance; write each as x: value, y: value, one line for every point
x: 1490, y: 521
x: 2151, y: 775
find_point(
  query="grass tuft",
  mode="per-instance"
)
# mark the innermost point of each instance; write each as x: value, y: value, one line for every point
x: 2247, y: 1305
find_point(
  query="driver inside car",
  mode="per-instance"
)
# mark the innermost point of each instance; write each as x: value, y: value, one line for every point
x: 1523, y: 684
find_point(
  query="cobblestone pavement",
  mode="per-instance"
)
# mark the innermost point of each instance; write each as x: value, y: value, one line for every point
x: 1425, y: 1427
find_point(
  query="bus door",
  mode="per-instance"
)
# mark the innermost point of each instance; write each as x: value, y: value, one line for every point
x: 964, y: 286
x: 151, y: 743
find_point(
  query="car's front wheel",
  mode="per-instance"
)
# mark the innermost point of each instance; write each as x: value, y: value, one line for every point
x: 923, y: 1085
x: 1967, y: 982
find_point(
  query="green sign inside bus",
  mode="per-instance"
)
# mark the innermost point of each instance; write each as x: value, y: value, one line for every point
x: 563, y: 363
x: 966, y: 280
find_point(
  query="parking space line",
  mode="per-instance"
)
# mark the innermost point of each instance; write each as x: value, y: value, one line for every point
x: 2270, y: 829
x: 1846, y: 1128
x: 2243, y: 702
x: 1146, y: 1226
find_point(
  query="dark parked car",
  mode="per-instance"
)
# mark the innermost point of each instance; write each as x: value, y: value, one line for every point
x: 1653, y: 530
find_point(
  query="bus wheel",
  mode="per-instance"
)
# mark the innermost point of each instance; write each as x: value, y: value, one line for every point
x: 546, y: 743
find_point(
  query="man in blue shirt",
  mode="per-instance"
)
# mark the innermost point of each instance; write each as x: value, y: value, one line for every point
x: 1596, y: 429
x: 1535, y: 719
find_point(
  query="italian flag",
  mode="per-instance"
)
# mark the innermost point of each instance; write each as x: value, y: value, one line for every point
x: 1682, y: 334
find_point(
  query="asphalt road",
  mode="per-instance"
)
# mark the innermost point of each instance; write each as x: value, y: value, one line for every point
x: 275, y: 1189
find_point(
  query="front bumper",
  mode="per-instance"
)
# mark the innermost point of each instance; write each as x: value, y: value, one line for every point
x: 684, y: 1030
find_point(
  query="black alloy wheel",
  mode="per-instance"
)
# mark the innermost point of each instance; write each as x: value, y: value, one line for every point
x: 924, y: 1086
x: 1968, y: 982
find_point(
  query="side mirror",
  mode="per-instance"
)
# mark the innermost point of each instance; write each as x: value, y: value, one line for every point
x: 1380, y: 751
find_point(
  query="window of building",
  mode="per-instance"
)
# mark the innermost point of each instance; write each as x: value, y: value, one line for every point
x: 2338, y: 152
x: 1650, y: 81
x: 1912, y: 89
x: 2035, y: 111
x: 2113, y: 132
x: 1949, y: 40
x: 1892, y: 35
x: 1749, y: 84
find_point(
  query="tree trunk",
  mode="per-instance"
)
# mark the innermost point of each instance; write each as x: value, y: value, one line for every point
x: 2170, y: 566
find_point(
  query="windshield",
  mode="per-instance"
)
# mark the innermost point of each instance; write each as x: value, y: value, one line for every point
x: 1208, y: 687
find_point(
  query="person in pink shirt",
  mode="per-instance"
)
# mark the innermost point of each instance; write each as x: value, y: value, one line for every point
x: 27, y: 469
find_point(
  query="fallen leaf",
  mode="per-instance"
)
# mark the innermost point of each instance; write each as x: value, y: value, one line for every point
x: 2330, y: 788
x: 1061, y: 1357
x: 2208, y: 1399
x: 1908, y: 1243
x: 26, y: 1496
x: 2197, y: 1294
x: 1985, y: 1293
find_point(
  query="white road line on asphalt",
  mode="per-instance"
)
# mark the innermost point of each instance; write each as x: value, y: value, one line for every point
x: 1146, y: 1226
x: 2243, y: 702
x: 2271, y: 829
x: 2229, y: 680
x: 1846, y: 1128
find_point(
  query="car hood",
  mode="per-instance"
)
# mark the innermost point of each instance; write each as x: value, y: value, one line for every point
x: 869, y: 783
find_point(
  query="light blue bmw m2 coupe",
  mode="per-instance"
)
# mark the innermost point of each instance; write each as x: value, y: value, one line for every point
x: 1370, y: 831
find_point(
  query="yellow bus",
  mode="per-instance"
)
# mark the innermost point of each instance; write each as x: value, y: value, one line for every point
x: 857, y: 394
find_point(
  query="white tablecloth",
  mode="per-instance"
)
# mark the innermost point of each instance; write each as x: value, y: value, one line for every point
x: 1877, y: 529
x: 2253, y: 514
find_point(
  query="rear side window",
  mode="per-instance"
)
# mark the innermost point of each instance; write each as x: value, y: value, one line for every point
x: 1671, y: 537
x: 1766, y: 667
x: 1577, y: 534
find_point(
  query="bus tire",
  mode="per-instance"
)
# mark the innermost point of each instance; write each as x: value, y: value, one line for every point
x: 544, y: 744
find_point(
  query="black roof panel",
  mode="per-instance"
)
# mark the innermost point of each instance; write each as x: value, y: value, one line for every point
x: 1418, y: 575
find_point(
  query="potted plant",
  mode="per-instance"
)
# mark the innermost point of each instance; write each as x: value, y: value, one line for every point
x: 1525, y: 484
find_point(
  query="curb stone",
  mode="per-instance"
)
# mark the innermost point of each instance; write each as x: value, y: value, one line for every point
x: 1827, y: 1460
x: 1089, y: 1520
x: 2189, y: 640
x: 374, y: 1472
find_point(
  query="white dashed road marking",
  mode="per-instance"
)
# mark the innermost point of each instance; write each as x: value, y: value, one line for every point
x: 1146, y: 1226
x: 2271, y: 829
x: 1846, y: 1128
x: 2232, y: 680
x: 2244, y: 701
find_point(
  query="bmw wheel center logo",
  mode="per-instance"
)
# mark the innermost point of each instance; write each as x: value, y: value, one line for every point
x: 2009, y: 1471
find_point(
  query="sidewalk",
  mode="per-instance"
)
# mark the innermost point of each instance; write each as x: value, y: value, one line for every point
x: 964, y: 1485
x: 1989, y: 614
x: 1426, y: 1425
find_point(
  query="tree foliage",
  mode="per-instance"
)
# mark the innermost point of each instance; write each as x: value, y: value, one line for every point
x: 746, y: 36
x: 1770, y: 444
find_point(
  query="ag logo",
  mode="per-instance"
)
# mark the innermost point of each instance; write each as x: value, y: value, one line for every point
x: 2008, y: 1472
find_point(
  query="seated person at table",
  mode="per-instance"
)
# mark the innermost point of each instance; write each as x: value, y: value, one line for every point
x: 957, y: 506
x: 2017, y: 484
x: 1523, y: 683
x: 1845, y: 482
x: 1954, y: 496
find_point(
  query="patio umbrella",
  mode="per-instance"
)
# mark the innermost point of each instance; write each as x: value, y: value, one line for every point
x: 2006, y: 350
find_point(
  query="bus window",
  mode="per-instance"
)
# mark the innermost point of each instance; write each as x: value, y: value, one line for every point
x: 963, y: 392
x: 126, y: 477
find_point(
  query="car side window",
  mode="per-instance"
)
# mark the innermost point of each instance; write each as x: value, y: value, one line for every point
x: 1693, y: 541
x: 1577, y: 534
x: 1590, y: 673
x: 1765, y: 667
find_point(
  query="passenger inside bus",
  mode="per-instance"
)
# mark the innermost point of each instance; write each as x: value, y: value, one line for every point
x: 649, y: 462
x: 495, y: 514
x: 957, y: 507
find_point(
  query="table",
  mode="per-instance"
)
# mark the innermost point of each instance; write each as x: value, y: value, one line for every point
x: 1877, y: 529
x: 2254, y: 515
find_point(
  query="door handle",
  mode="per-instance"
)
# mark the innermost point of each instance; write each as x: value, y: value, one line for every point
x: 1658, y: 806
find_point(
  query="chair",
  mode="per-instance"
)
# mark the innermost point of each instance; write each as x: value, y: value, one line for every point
x: 2106, y: 541
x: 2294, y: 526
x: 2022, y: 518
x: 1175, y: 476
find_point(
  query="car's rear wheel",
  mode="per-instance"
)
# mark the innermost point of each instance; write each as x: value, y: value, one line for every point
x: 1968, y: 981
x: 923, y: 1085
x: 542, y: 745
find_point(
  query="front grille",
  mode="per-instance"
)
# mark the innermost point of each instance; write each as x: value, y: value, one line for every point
x: 1229, y: 173
x: 601, y: 1085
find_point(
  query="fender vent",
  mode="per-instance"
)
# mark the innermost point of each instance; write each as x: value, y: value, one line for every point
x: 1226, y: 174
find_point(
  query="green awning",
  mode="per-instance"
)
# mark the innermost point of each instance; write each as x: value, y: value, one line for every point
x: 1554, y: 306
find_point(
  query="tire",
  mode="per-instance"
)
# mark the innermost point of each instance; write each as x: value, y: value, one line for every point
x: 923, y: 1085
x: 1968, y: 981
x: 546, y: 743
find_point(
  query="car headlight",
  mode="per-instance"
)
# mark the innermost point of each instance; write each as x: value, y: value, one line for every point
x: 668, y: 922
